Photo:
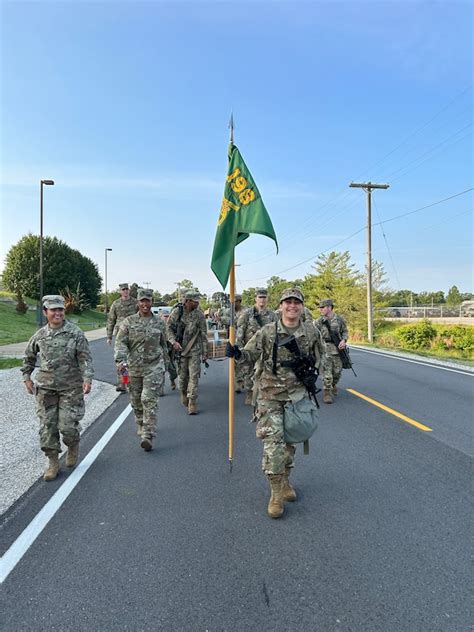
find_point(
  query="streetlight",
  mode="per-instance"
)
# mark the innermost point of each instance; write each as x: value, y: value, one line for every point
x: 48, y: 183
x: 105, y: 282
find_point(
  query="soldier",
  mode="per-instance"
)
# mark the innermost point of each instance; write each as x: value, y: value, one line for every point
x: 333, y: 363
x: 124, y: 306
x: 279, y: 385
x: 171, y: 368
x: 187, y: 332
x: 141, y: 348
x: 248, y: 323
x: 64, y: 377
x: 225, y: 320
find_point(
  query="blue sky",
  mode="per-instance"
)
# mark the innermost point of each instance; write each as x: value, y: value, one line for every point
x: 126, y: 106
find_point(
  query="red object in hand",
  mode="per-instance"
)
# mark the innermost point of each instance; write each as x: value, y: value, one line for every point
x: 125, y: 376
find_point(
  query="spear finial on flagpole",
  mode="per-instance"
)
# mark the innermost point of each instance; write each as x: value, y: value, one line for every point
x: 231, y: 127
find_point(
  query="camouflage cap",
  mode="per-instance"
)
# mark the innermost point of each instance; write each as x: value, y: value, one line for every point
x: 191, y: 295
x: 53, y: 301
x: 144, y: 293
x: 292, y: 292
x: 261, y: 291
x: 326, y: 303
x: 123, y: 286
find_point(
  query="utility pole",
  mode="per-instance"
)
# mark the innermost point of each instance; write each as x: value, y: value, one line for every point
x: 368, y: 187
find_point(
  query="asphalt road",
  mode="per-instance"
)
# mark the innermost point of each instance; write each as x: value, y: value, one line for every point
x: 171, y: 540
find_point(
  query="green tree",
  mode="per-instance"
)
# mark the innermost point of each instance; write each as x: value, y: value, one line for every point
x: 454, y: 296
x: 337, y: 278
x: 62, y: 267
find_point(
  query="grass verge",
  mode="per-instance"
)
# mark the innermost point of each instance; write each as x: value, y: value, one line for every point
x: 9, y: 363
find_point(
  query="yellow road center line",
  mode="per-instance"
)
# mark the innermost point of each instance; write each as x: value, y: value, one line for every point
x: 391, y: 411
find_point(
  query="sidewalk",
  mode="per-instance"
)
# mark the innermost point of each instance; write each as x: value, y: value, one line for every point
x: 17, y: 350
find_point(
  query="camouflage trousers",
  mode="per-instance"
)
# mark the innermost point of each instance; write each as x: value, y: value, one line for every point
x: 332, y: 370
x: 247, y: 376
x: 59, y: 412
x: 189, y: 373
x: 144, y: 397
x: 277, y: 455
x: 172, y: 369
x: 239, y: 371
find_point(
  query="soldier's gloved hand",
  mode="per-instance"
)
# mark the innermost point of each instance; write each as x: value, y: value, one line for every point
x: 232, y: 351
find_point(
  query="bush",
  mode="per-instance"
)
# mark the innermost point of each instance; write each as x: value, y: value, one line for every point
x: 21, y: 306
x: 418, y: 336
x: 458, y: 337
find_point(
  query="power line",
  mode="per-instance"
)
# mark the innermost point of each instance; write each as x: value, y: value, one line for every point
x: 388, y: 247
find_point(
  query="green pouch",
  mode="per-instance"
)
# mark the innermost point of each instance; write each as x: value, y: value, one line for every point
x: 300, y: 420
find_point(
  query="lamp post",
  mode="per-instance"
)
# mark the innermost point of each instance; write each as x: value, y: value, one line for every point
x: 47, y: 183
x: 105, y: 282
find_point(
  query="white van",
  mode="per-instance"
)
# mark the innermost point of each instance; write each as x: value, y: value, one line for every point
x: 163, y: 310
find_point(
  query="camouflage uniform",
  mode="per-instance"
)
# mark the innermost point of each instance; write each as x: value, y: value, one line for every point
x: 276, y: 390
x: 239, y: 369
x: 247, y: 327
x: 195, y: 332
x: 119, y: 310
x: 66, y: 364
x: 141, y: 344
x: 333, y: 363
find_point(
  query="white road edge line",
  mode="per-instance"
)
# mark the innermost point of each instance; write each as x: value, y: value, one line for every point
x: 23, y: 542
x: 427, y: 363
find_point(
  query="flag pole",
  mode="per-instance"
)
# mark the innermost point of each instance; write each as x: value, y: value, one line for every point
x: 231, y: 336
x: 231, y: 367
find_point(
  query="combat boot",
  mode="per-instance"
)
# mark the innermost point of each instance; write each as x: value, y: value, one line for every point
x: 287, y: 490
x: 192, y: 407
x: 139, y: 429
x: 248, y: 398
x: 334, y: 391
x: 184, y: 398
x: 121, y: 388
x: 327, y: 399
x: 72, y: 454
x: 53, y: 467
x: 173, y: 385
x: 275, y: 507
x: 146, y: 444
x: 161, y: 391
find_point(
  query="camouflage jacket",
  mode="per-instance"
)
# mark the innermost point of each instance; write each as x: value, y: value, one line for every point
x: 225, y: 316
x: 65, y: 358
x: 141, y: 343
x: 284, y: 385
x: 338, y: 326
x: 119, y: 310
x: 248, y: 325
x: 194, y: 327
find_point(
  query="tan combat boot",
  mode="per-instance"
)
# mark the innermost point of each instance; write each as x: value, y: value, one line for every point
x: 334, y: 391
x: 275, y: 507
x: 173, y: 385
x: 192, y: 407
x: 287, y: 490
x: 184, y: 398
x: 248, y: 398
x: 72, y: 454
x: 327, y: 399
x: 52, y: 470
x: 139, y: 429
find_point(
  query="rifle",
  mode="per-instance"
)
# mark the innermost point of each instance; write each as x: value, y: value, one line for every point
x: 257, y: 317
x: 178, y: 329
x: 343, y: 353
x: 304, y: 366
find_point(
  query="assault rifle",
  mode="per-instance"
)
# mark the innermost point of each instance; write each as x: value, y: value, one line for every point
x: 343, y: 353
x: 304, y: 366
x: 178, y: 329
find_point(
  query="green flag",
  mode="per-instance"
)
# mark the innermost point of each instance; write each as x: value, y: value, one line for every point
x: 242, y: 212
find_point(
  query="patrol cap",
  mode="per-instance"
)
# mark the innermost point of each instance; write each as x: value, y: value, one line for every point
x: 123, y: 286
x: 326, y: 303
x: 145, y: 293
x: 191, y: 295
x: 261, y: 291
x: 292, y: 292
x: 53, y: 301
